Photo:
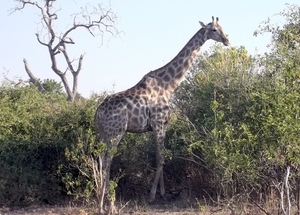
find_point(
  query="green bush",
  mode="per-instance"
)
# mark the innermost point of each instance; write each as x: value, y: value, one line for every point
x: 35, y: 130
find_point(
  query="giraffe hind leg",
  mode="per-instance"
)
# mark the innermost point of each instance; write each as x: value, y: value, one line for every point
x: 111, y: 141
x: 155, y: 183
x: 159, y: 178
x: 162, y: 185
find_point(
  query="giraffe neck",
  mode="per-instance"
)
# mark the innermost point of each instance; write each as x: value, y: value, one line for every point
x: 172, y: 73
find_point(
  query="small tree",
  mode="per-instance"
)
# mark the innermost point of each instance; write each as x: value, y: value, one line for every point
x: 96, y: 20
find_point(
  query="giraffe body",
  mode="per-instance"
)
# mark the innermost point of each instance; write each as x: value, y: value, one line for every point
x: 145, y: 106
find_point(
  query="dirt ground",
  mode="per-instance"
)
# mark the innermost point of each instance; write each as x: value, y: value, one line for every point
x: 42, y: 211
x: 164, y: 207
x: 150, y: 211
x: 131, y: 208
x: 85, y: 211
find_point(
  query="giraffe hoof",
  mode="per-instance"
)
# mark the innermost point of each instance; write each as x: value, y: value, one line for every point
x: 151, y: 200
x: 163, y: 197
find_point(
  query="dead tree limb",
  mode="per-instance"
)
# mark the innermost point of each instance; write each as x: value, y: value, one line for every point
x: 32, y: 78
x: 96, y: 22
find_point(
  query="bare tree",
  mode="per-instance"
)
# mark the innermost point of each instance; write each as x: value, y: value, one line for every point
x: 96, y: 20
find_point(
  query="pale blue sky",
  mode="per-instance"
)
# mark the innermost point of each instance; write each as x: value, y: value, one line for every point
x: 154, y: 32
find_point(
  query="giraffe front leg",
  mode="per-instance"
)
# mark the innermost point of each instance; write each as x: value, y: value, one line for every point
x: 162, y: 185
x: 159, y: 172
x: 159, y: 175
x: 160, y: 156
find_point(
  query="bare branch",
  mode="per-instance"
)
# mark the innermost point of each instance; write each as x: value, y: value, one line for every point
x: 38, y: 38
x: 193, y: 161
x: 33, y: 79
x: 12, y: 82
x: 23, y: 5
x: 80, y: 63
x: 81, y: 171
x: 259, y: 206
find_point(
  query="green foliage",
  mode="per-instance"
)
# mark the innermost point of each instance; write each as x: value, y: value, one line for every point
x: 235, y: 130
x: 245, y: 113
x: 219, y: 99
x: 35, y: 130
x: 51, y: 86
x: 112, y: 191
x: 277, y: 99
x: 28, y: 173
x: 29, y: 147
x: 82, y: 164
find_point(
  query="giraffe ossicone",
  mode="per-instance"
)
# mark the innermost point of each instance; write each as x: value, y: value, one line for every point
x: 145, y: 106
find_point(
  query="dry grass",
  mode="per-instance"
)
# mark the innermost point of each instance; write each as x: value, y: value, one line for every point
x: 160, y: 208
x: 45, y: 211
x: 86, y: 211
x: 131, y: 210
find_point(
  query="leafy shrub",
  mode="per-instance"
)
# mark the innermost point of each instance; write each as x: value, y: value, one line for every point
x: 35, y: 130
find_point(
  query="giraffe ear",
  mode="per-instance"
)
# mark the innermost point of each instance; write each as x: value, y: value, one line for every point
x: 202, y: 24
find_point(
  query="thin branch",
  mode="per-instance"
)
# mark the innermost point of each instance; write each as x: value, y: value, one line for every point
x: 100, y: 169
x: 193, y: 161
x: 95, y: 172
x: 123, y: 206
x: 260, y: 207
x: 23, y: 5
x: 81, y: 171
x: 38, y: 38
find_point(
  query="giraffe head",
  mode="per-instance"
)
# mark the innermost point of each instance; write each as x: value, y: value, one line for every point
x: 214, y: 31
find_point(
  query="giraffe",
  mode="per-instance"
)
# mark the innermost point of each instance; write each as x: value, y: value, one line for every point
x: 145, y: 106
